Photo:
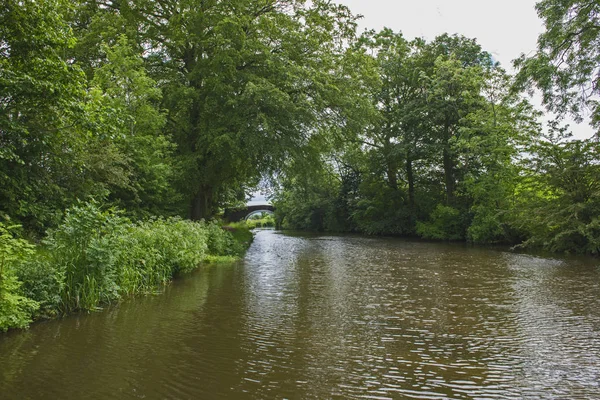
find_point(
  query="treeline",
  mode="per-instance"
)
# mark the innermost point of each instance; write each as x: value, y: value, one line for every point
x: 452, y: 151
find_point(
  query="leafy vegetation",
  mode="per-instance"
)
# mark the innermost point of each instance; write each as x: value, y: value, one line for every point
x: 261, y: 221
x: 451, y: 152
x: 566, y: 66
x: 15, y: 309
x: 97, y: 256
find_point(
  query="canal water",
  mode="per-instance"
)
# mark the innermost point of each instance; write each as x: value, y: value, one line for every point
x: 319, y: 317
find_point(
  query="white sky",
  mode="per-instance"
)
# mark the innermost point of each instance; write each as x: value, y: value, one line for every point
x: 504, y: 28
x: 258, y: 199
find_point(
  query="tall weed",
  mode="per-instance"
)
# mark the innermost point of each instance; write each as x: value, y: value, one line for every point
x: 82, y: 250
x: 97, y: 256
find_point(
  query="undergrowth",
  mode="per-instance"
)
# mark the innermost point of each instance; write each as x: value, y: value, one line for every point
x: 97, y: 256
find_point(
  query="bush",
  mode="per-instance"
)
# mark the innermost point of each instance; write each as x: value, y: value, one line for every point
x: 104, y: 256
x: 150, y: 253
x: 486, y: 226
x: 84, y: 250
x: 265, y: 222
x: 16, y: 310
x: 97, y: 256
x: 41, y: 282
x: 445, y: 223
x: 382, y: 210
x: 229, y: 241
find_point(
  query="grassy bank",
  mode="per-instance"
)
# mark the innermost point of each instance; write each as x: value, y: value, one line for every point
x: 97, y: 257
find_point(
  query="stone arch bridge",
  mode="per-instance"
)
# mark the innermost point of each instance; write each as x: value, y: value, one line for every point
x: 238, y: 214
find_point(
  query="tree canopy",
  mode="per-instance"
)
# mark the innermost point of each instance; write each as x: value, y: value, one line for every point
x: 566, y: 66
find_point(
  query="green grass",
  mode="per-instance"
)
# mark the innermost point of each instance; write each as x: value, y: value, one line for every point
x: 240, y: 232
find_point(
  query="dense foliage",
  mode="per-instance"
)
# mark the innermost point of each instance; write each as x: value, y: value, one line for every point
x: 451, y: 153
x: 161, y: 109
x: 97, y: 256
x: 261, y: 221
x: 566, y: 67
x: 164, y: 108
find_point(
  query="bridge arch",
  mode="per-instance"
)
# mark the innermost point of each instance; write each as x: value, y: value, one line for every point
x: 239, y: 214
x: 247, y: 217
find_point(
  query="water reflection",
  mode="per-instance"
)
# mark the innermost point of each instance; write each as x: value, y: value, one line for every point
x: 332, y: 317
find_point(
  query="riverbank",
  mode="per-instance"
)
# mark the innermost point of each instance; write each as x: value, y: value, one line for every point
x: 97, y: 257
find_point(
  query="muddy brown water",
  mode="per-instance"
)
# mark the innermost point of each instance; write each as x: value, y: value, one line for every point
x: 319, y: 317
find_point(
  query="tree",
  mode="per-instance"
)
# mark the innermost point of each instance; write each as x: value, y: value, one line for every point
x: 559, y: 203
x: 246, y: 84
x: 399, y: 101
x: 566, y: 66
x: 132, y: 157
x: 41, y: 97
x: 492, y: 140
x: 454, y: 73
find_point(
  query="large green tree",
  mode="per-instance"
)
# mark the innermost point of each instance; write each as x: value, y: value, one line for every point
x: 566, y: 66
x: 246, y: 85
x: 454, y: 71
x: 130, y: 154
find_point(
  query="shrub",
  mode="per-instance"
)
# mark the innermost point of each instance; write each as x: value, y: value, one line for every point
x: 229, y: 242
x: 42, y: 282
x: 97, y: 256
x: 265, y: 222
x: 382, y: 210
x: 486, y: 226
x: 83, y: 250
x: 16, y: 310
x: 445, y: 223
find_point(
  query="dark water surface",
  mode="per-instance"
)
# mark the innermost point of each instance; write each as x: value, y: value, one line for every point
x: 331, y: 317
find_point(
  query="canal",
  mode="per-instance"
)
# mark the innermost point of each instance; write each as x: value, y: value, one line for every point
x: 318, y: 317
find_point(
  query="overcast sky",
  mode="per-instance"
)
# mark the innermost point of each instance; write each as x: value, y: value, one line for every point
x: 504, y: 28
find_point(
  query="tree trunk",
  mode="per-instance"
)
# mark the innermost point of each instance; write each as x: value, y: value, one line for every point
x: 410, y: 177
x: 449, y: 175
x: 202, y: 204
x: 392, y: 171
